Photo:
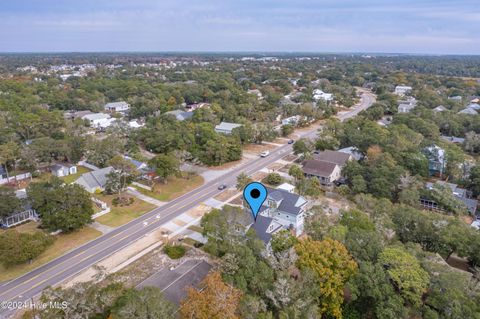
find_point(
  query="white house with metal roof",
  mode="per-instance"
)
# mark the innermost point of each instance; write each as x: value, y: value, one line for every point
x: 226, y: 127
x: 120, y: 107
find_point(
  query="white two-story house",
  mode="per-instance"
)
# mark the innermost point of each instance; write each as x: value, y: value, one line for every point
x: 282, y: 210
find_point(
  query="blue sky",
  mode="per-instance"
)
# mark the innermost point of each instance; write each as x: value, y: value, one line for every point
x: 448, y: 27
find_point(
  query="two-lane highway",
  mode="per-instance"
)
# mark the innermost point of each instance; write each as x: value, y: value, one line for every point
x: 57, y: 271
x: 66, y: 266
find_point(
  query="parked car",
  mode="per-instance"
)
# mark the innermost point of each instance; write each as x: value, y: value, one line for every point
x: 291, y: 141
x: 222, y: 186
x: 264, y: 153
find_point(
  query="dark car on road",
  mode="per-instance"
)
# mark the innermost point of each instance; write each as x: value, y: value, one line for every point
x: 291, y: 141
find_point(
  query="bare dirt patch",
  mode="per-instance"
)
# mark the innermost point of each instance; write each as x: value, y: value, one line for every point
x: 285, y: 168
x: 290, y: 158
x: 282, y: 140
x: 226, y: 165
x: 258, y: 148
x: 458, y: 263
x: 223, y: 196
x: 275, y: 166
x: 259, y: 176
x: 199, y: 211
x: 237, y: 201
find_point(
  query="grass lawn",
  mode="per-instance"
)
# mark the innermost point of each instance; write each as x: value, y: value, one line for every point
x: 175, y: 187
x: 62, y: 244
x: 72, y: 178
x: 122, y: 215
x: 29, y: 227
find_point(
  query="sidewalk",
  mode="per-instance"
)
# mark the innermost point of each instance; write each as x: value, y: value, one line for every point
x: 145, y: 198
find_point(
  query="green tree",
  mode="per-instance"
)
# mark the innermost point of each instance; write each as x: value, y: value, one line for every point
x: 282, y: 240
x: 372, y: 292
x: 9, y: 153
x: 243, y: 180
x: 66, y: 207
x: 406, y: 273
x: 474, y: 180
x: 301, y: 146
x: 10, y: 203
x: 287, y: 129
x: 165, y: 166
x: 296, y: 172
x: 273, y: 179
x: 147, y: 302
x: 123, y: 173
x: 17, y: 248
x: 333, y: 265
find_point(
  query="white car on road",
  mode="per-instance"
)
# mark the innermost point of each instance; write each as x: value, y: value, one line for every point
x: 264, y: 153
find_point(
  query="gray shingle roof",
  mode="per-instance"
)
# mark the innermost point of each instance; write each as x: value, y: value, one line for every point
x: 96, y: 178
x: 339, y: 158
x: 290, y: 203
x: 318, y: 168
x: 261, y: 227
x: 181, y: 115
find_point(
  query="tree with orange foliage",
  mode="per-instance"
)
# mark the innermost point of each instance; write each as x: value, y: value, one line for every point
x: 333, y: 264
x: 216, y: 300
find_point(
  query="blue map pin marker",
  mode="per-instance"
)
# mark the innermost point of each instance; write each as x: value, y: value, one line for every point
x: 255, y: 194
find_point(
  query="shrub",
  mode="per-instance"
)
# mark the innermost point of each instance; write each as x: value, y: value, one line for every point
x: 174, y: 252
x: 122, y: 201
x: 273, y: 179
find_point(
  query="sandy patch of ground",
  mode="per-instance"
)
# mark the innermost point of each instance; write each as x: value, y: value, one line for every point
x: 237, y: 201
x: 275, y: 166
x: 285, y: 168
x: 199, y: 211
x: 180, y: 223
x: 223, y: 196
x: 259, y: 176
x: 258, y: 148
x: 111, y: 262
x: 458, y: 263
x: 290, y: 158
x: 281, y: 140
x: 227, y: 165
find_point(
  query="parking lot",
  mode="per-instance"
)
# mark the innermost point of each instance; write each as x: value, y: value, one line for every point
x: 174, y: 282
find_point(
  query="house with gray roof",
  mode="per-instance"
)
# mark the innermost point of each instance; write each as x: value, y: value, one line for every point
x: 337, y: 157
x: 440, y: 109
x: 282, y: 210
x: 468, y: 111
x: 181, y: 115
x: 226, y: 127
x: 265, y: 227
x: 461, y: 194
x: 327, y: 166
x: 63, y: 169
x: 94, y: 180
x: 120, y: 107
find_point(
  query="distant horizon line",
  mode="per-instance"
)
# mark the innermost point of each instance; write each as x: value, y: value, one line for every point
x: 265, y: 53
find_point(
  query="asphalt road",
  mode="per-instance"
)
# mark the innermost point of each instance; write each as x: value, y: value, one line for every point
x: 55, y: 272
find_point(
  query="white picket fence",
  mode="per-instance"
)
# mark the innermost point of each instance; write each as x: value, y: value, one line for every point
x: 18, y: 218
x: 103, y: 205
x: 18, y: 177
